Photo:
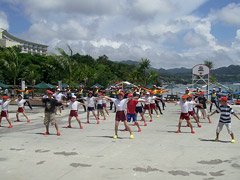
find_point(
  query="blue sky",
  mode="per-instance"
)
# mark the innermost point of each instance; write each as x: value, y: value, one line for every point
x: 170, y: 33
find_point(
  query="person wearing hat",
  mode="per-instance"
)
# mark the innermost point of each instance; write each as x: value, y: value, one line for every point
x: 20, y: 102
x: 26, y: 93
x: 202, y: 109
x: 50, y: 104
x: 191, y: 111
x: 147, y: 106
x: 184, y: 105
x: 104, y: 102
x: 80, y: 95
x: 90, y: 106
x: 225, y: 111
x: 120, y: 104
x: 59, y: 97
x: 100, y: 111
x: 213, y: 95
x: 113, y: 94
x: 74, y: 105
x: 4, y: 112
x: 139, y: 108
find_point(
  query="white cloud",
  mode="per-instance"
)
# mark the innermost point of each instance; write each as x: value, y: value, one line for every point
x: 229, y: 14
x: 3, y: 21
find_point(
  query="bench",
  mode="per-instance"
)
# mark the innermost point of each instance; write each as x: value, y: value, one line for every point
x: 171, y: 97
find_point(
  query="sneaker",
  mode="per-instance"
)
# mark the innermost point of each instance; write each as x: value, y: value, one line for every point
x: 187, y: 125
x: 107, y: 115
x: 60, y: 114
x: 104, y: 119
x: 192, y: 132
x: 145, y: 124
x: 81, y: 127
x: 58, y: 134
x: 131, y: 136
x: 10, y: 126
x: 125, y: 129
x: 178, y: 131
x: 98, y: 122
x: 17, y: 120
x: 210, y: 122
x: 28, y: 121
x: 134, y: 124
x: 46, y: 133
x: 69, y: 126
x: 199, y: 125
x: 139, y: 130
x: 158, y: 116
x: 87, y: 122
x: 149, y: 116
x: 216, y: 140
x: 115, y: 137
x: 141, y: 120
x: 43, y: 116
x: 204, y: 118
x: 233, y: 141
x: 151, y: 120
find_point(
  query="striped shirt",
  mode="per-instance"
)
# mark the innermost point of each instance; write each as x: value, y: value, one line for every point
x: 225, y: 111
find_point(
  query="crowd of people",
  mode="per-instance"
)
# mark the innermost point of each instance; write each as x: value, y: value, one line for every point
x: 126, y: 104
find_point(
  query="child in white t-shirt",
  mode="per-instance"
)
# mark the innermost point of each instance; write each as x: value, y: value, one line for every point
x: 4, y: 113
x: 20, y: 102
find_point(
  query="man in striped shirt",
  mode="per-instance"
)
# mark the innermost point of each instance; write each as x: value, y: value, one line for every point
x: 225, y: 118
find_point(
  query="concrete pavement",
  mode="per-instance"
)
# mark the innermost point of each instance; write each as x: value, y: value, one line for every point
x: 91, y: 153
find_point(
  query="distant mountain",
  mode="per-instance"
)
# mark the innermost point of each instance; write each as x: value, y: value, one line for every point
x: 222, y: 74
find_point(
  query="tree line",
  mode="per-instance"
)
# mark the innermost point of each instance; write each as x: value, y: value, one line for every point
x: 71, y: 69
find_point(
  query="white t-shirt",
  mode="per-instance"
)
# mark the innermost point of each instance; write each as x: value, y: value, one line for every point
x: 99, y: 101
x: 120, y: 105
x: 139, y: 104
x: 152, y: 99
x: 191, y: 106
x: 185, y: 106
x: 4, y: 105
x: 20, y: 103
x: 148, y: 99
x: 90, y: 101
x: 104, y: 101
x: 58, y: 96
x: 74, y: 105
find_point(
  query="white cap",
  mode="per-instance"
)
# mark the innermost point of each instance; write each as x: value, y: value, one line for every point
x: 138, y: 93
x: 58, y: 89
x: 147, y: 93
x: 74, y: 96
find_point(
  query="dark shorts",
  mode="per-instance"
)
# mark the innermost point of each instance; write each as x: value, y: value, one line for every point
x: 104, y: 105
x: 4, y: 114
x: 90, y: 108
x: 120, y: 116
x: 191, y: 113
x: 131, y: 116
x: 58, y: 104
x: 73, y: 113
x: 20, y: 109
x: 153, y: 106
x: 147, y: 106
x: 100, y: 106
x: 185, y: 116
x: 138, y: 110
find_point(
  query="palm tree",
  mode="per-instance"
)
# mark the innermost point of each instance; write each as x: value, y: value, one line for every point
x: 66, y: 62
x: 12, y: 63
x: 209, y: 64
x: 144, y: 65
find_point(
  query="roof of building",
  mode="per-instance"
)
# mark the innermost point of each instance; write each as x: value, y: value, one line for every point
x: 20, y: 40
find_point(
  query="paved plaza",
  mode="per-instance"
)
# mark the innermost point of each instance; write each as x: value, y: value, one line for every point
x: 91, y: 153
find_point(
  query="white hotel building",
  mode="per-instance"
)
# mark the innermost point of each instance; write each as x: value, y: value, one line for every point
x: 8, y: 40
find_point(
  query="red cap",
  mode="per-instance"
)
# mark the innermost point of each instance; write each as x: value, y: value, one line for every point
x: 151, y: 92
x: 202, y: 92
x: 130, y: 95
x: 100, y: 94
x: 190, y: 95
x: 223, y: 99
x: 184, y: 97
x: 121, y: 93
x: 90, y: 92
x: 4, y: 97
x: 49, y: 92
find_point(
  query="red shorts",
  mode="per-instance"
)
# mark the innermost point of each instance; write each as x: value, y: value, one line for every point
x: 191, y: 113
x: 4, y: 114
x: 104, y: 105
x: 153, y: 106
x: 184, y: 116
x: 73, y: 113
x: 121, y: 116
x: 147, y: 106
x: 20, y: 109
